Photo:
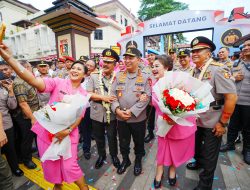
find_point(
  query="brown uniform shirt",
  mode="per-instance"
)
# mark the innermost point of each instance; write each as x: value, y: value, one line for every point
x: 97, y: 111
x: 220, y: 79
x: 128, y: 91
x: 6, y: 103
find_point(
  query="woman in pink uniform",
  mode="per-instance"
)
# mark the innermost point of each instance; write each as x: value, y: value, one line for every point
x: 177, y: 147
x: 59, y: 170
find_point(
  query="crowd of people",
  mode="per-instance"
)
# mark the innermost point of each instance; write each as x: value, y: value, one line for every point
x: 123, y: 106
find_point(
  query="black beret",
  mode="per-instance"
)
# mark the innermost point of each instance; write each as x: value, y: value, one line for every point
x: 110, y: 55
x: 202, y: 42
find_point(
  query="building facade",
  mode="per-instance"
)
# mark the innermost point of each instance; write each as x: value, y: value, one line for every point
x: 117, y: 17
x: 33, y: 41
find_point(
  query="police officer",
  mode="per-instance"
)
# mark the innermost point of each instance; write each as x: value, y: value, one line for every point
x: 211, y: 124
x: 84, y: 59
x: 100, y: 112
x: 224, y: 57
x: 60, y: 71
x: 68, y: 62
x: 173, y: 54
x: 130, y: 111
x: 184, y: 59
x: 150, y: 109
x: 240, y: 118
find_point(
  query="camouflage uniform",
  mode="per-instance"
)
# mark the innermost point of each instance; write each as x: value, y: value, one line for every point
x: 25, y: 93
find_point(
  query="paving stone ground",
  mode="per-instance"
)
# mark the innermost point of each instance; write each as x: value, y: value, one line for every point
x: 231, y: 173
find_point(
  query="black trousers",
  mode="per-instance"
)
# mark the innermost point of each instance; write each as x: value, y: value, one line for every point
x: 9, y: 149
x: 240, y: 120
x: 98, y: 131
x: 151, y: 119
x: 137, y: 131
x: 18, y: 138
x: 27, y: 137
x: 207, y: 147
x: 85, y: 131
x: 6, y: 182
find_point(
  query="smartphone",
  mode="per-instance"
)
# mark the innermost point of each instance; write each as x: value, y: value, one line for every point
x: 2, y: 28
x: 2, y: 77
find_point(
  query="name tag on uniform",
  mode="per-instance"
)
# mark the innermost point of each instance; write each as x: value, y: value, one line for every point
x: 64, y: 93
x: 120, y: 88
x: 138, y: 88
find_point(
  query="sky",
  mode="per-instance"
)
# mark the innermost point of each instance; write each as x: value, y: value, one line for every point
x: 134, y: 5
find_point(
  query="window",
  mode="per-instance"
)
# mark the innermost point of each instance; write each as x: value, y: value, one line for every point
x: 98, y: 35
x: 125, y: 22
x: 121, y: 20
x: 113, y: 17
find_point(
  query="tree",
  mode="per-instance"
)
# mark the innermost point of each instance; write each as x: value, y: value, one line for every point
x: 153, y: 8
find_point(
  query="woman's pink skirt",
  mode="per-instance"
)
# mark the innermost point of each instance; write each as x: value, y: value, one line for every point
x: 175, y: 151
x: 60, y: 170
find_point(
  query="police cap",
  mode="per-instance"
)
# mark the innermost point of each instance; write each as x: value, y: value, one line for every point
x: 134, y: 52
x: 110, y: 55
x: 202, y: 42
x: 172, y: 50
x: 184, y: 53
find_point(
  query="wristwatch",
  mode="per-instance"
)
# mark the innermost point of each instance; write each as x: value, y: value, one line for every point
x: 223, y: 124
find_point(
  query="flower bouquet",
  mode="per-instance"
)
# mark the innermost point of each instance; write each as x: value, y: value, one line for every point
x: 57, y: 117
x: 179, y: 95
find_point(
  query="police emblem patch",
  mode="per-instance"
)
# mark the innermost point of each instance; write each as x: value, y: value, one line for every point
x: 108, y: 53
x: 196, y: 41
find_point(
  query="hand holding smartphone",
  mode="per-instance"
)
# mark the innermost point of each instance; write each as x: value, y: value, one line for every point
x: 2, y: 28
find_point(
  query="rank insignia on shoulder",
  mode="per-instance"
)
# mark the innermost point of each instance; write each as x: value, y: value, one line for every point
x: 217, y: 64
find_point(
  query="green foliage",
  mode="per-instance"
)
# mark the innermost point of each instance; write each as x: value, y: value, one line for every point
x: 153, y: 8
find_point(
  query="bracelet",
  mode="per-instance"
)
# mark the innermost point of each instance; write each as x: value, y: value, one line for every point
x: 223, y: 124
x: 70, y: 129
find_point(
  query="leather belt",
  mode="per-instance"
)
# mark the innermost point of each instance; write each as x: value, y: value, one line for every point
x: 217, y: 103
x: 98, y: 102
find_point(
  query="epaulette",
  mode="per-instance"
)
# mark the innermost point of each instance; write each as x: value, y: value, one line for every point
x: 217, y: 64
x: 95, y: 72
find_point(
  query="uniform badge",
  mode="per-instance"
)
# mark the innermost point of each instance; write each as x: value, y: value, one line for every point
x: 227, y: 75
x: 120, y: 94
x: 129, y: 51
x: 138, y: 88
x: 108, y: 53
x: 196, y: 41
x: 207, y: 75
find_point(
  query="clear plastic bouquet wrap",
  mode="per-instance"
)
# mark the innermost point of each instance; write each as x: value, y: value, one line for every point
x: 57, y: 117
x: 179, y: 95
